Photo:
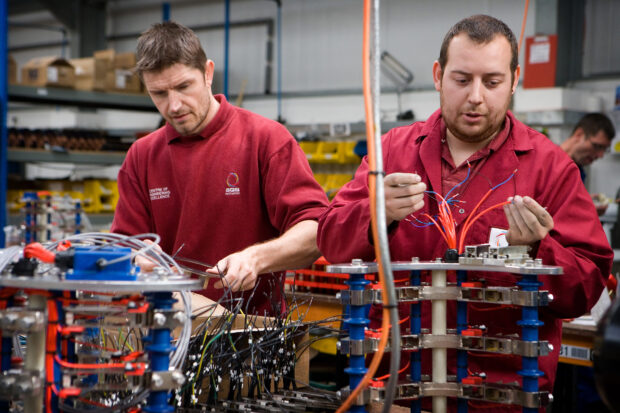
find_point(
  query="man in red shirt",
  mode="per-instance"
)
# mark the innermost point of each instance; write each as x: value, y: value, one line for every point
x: 474, y: 133
x: 219, y: 184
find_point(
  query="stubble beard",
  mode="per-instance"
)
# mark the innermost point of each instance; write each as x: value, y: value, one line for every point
x: 493, y: 126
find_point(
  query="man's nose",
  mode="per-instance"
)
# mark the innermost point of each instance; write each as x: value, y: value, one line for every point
x: 174, y: 101
x: 475, y: 92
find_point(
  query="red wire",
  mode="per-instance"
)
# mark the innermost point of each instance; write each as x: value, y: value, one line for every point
x: 36, y: 250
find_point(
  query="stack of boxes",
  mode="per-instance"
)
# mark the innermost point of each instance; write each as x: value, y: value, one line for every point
x: 105, y: 71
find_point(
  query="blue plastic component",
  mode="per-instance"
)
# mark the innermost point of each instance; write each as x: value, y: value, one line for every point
x: 89, y: 264
x: 158, y: 347
x: 461, y: 355
x: 529, y: 332
x: 415, y: 325
x: 357, y: 324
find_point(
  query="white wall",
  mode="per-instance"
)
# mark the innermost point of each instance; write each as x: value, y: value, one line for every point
x: 321, y: 39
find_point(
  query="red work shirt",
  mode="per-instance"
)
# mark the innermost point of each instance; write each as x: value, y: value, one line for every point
x: 577, y: 242
x: 242, y: 181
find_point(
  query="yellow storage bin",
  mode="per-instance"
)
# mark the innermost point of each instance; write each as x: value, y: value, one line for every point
x: 310, y: 149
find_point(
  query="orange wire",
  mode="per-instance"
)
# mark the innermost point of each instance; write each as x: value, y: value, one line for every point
x: 404, y: 320
x: 527, y: 3
x: 469, y: 217
x: 387, y: 375
x: 466, y: 229
x: 370, y: 131
x: 441, y: 231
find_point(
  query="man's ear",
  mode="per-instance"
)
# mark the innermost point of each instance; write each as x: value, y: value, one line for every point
x: 580, y: 134
x: 437, y: 74
x: 209, y: 70
x: 516, y: 81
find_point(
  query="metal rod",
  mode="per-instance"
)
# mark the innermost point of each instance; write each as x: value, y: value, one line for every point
x: 226, y: 44
x: 4, y: 99
x: 438, y: 317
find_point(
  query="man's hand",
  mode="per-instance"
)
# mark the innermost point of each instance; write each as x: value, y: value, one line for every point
x: 404, y: 194
x: 144, y: 263
x: 529, y: 222
x: 239, y: 270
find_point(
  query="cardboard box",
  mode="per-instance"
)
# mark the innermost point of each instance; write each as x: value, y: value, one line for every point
x: 90, y: 73
x: 48, y: 71
x: 125, y: 60
x: 123, y: 80
x: 12, y: 71
x: 104, y: 60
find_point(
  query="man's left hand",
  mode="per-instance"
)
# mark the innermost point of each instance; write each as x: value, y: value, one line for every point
x: 529, y: 222
x: 239, y: 271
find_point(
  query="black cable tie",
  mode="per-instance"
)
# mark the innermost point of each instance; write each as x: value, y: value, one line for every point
x: 390, y: 306
x: 376, y: 173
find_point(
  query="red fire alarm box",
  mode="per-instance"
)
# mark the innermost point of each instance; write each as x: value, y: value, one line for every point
x: 540, y: 61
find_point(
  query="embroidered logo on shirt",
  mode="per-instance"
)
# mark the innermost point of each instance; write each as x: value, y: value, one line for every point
x: 232, y: 180
x: 159, y: 193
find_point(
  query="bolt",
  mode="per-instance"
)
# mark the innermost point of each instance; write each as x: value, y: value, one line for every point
x: 159, y: 319
x: 179, y: 317
x: 550, y: 297
x: 9, y: 319
x: 157, y: 380
x: 22, y: 387
x: 338, y: 295
x: 25, y: 323
x: 538, y: 261
x: 438, y: 259
x: 357, y: 261
x: 550, y: 346
x: 415, y: 259
x: 178, y: 378
x: 338, y: 345
x: 550, y: 397
x: 5, y: 383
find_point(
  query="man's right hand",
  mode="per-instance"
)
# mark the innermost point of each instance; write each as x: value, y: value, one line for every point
x: 144, y: 263
x: 404, y: 194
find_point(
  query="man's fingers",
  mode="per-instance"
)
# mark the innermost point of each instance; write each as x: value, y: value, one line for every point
x: 512, y: 225
x: 401, y: 179
x: 542, y: 215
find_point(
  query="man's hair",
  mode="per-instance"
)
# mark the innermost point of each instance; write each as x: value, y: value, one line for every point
x: 165, y: 44
x: 592, y: 123
x: 480, y: 29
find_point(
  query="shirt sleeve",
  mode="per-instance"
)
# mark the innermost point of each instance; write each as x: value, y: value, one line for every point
x: 132, y: 214
x: 577, y: 243
x: 343, y: 232
x: 291, y: 193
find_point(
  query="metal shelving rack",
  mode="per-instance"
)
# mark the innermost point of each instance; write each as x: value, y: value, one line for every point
x: 54, y: 96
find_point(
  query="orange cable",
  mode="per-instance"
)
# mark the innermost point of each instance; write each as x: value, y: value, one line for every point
x: 387, y: 375
x: 527, y: 3
x: 370, y: 131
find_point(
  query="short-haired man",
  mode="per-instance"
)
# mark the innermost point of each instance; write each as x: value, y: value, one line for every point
x: 475, y: 139
x: 590, y: 139
x: 219, y: 184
